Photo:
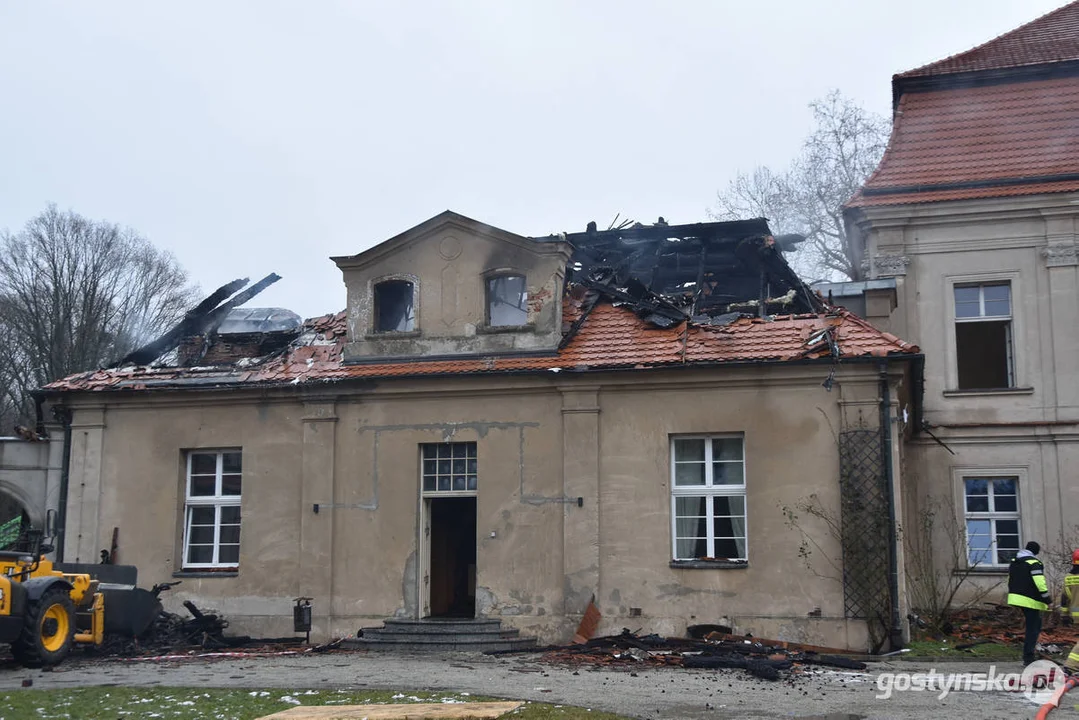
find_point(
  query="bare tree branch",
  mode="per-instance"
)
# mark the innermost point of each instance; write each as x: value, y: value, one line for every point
x: 807, y: 198
x: 75, y: 293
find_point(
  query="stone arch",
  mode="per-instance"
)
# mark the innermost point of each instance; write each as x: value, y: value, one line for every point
x: 25, y: 499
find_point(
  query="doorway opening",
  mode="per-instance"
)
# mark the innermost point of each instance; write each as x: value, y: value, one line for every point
x: 453, y: 556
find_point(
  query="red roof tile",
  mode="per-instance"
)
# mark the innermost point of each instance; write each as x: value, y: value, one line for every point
x: 1053, y: 37
x: 610, y: 338
x: 994, y: 136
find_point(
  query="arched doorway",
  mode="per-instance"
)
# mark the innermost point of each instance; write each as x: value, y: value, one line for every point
x: 13, y: 519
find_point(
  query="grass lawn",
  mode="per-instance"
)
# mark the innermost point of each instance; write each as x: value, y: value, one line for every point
x: 123, y: 703
x: 946, y: 648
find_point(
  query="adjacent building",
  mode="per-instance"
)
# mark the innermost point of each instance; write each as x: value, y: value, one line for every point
x: 973, y: 214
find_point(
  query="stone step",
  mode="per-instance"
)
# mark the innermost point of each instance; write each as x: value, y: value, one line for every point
x: 439, y: 635
x: 404, y: 645
x: 380, y: 635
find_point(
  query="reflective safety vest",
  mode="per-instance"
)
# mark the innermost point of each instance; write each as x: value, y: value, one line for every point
x: 1026, y: 584
x: 1069, y: 599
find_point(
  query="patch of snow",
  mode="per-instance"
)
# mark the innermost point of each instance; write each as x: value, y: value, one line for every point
x: 289, y: 699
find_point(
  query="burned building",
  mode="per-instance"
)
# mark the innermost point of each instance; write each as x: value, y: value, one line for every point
x: 502, y: 428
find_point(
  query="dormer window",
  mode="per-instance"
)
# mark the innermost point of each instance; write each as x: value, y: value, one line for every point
x: 394, y: 306
x: 507, y: 301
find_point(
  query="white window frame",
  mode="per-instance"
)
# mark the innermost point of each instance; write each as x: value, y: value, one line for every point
x: 992, y: 515
x: 709, y: 491
x: 216, y: 501
x: 1016, y: 370
x: 467, y: 491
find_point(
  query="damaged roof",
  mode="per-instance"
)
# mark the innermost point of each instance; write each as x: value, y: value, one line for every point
x: 609, y: 338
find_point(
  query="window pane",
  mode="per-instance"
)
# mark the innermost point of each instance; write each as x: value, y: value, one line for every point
x: 229, y: 554
x: 690, y: 507
x: 459, y: 482
x: 200, y: 554
x: 459, y: 466
x: 459, y: 450
x: 997, y: 300
x: 727, y: 449
x: 231, y: 462
x: 728, y: 473
x: 394, y: 311
x: 689, y: 474
x: 1007, y: 528
x: 471, y: 482
x: 983, y: 354
x: 1004, y: 486
x: 203, y: 485
x: 203, y: 463
x: 1005, y: 556
x: 730, y: 548
x: 430, y: 451
x: 202, y: 515
x: 1005, y: 503
x: 230, y: 484
x: 979, y: 541
x: 230, y: 534
x: 429, y: 483
x: 977, y: 495
x: 507, y: 301
x: 443, y: 482
x: 967, y: 303
x: 471, y: 464
x: 733, y: 505
x: 201, y: 535
x: 230, y: 515
x: 430, y: 467
x: 688, y: 450
x: 445, y: 467
x: 690, y: 548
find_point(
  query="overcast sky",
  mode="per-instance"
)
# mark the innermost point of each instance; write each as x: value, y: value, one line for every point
x: 250, y: 137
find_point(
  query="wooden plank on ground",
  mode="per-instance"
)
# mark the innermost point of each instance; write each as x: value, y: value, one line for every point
x: 401, y: 711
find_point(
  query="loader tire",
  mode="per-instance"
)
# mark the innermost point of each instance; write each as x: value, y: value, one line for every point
x: 48, y: 631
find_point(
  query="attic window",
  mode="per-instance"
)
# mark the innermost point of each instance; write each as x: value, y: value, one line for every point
x: 507, y: 301
x: 394, y: 307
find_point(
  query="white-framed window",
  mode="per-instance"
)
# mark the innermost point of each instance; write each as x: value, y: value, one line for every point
x: 507, y: 301
x: 708, y: 497
x: 395, y: 306
x: 991, y: 507
x: 449, y: 468
x: 212, y: 509
x: 983, y: 335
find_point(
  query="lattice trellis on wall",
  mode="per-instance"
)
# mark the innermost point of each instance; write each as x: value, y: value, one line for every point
x: 864, y: 516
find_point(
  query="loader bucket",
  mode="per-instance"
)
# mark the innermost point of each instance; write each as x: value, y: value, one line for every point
x: 129, y: 611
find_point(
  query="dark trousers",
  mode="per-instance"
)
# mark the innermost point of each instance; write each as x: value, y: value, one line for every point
x: 1033, y: 620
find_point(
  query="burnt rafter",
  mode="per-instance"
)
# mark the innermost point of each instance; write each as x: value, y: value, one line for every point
x: 202, y: 319
x: 668, y: 273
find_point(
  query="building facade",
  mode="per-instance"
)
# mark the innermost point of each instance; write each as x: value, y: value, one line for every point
x: 498, y: 426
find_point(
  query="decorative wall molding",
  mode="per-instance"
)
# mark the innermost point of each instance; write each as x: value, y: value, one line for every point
x: 890, y: 265
x: 1060, y: 255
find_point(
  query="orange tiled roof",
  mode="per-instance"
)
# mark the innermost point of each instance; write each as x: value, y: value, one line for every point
x: 610, y: 338
x: 1053, y: 37
x: 977, y: 142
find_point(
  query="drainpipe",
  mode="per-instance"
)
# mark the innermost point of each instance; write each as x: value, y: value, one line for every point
x: 63, y: 416
x: 896, y: 630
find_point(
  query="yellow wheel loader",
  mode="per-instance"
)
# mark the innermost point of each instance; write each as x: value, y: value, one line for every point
x: 44, y: 611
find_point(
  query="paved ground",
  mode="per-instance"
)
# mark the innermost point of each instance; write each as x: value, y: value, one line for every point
x: 644, y: 693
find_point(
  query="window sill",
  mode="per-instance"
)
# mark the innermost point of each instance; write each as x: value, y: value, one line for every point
x: 207, y: 573
x: 983, y: 571
x: 989, y: 392
x: 708, y: 564
x: 392, y: 335
x: 495, y: 329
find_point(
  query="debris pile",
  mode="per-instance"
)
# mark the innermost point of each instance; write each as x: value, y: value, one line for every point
x: 1003, y: 624
x: 765, y: 659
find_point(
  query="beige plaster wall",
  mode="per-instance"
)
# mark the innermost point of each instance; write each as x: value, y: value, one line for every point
x: 542, y: 443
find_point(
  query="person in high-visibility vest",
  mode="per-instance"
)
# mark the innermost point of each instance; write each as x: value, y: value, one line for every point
x: 1027, y: 590
x: 1069, y: 607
